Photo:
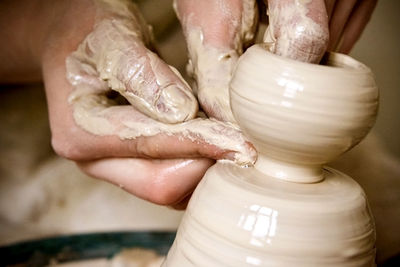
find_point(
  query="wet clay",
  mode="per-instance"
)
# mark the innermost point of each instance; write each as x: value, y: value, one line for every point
x: 114, y: 56
x: 100, y: 115
x: 297, y: 29
x: 115, y: 52
x: 287, y: 210
x: 211, y: 66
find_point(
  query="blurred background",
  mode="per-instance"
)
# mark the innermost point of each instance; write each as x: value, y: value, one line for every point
x: 43, y: 195
x: 379, y: 48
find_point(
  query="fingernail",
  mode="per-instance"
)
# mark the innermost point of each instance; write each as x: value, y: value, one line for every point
x: 230, y: 155
x: 176, y: 105
x: 173, y: 96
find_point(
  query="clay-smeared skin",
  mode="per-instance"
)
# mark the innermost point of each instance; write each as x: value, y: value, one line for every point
x: 116, y: 51
x: 114, y: 56
x: 215, y: 32
x: 298, y: 28
x: 99, y: 115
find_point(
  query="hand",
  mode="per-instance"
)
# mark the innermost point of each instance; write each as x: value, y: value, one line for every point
x: 217, y: 32
x: 153, y: 148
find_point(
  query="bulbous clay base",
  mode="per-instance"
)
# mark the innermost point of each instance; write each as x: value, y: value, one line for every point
x: 243, y: 217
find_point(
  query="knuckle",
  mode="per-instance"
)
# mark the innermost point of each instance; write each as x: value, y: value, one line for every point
x: 65, y: 147
x: 148, y: 147
x: 163, y: 193
x: 139, y: 147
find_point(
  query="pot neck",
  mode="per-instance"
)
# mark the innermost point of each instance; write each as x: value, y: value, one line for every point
x: 291, y: 172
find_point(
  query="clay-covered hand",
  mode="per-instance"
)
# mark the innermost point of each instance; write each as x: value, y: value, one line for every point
x: 305, y: 29
x: 216, y: 32
x: 152, y: 146
x: 297, y: 29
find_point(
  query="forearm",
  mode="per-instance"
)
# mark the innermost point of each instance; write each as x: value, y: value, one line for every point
x: 28, y: 28
x: 18, y: 24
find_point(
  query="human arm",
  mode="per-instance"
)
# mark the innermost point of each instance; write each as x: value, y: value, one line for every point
x: 157, y: 161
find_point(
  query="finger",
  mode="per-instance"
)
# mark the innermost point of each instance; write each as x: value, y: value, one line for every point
x: 182, y: 204
x: 216, y: 32
x: 91, y: 127
x: 221, y: 22
x: 124, y: 131
x: 358, y: 20
x: 117, y: 50
x: 297, y: 29
x: 330, y: 5
x: 340, y: 16
x: 164, y: 182
x: 153, y: 87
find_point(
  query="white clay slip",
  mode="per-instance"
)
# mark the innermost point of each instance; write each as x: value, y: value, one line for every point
x: 113, y: 57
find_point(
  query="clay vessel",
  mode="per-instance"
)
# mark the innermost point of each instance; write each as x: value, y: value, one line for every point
x: 287, y: 210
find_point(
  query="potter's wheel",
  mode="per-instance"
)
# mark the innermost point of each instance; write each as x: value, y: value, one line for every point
x: 68, y: 248
x: 91, y: 246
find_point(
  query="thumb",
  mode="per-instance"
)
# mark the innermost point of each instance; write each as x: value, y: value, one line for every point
x: 117, y: 49
x: 153, y: 87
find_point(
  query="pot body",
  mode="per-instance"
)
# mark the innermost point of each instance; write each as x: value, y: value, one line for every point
x: 241, y: 217
x: 300, y: 116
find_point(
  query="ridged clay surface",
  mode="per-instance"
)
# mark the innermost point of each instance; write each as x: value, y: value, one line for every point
x: 287, y: 210
x: 241, y: 217
x: 298, y: 115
